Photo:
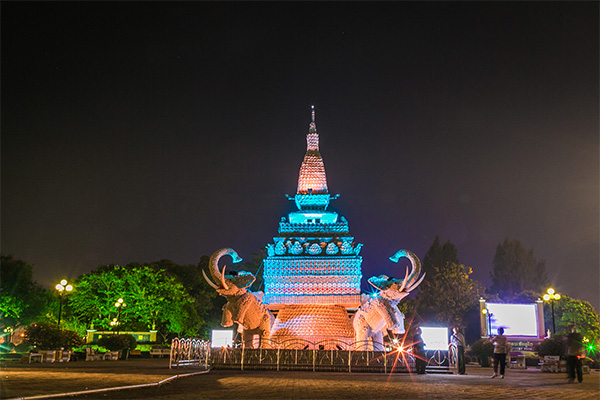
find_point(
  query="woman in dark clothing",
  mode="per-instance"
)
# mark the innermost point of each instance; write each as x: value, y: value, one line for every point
x: 419, y: 352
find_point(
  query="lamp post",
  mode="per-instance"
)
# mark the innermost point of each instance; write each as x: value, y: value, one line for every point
x: 119, y: 305
x: 552, y: 296
x: 62, y: 287
x: 489, y: 314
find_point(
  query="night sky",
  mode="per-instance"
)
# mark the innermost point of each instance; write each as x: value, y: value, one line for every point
x: 135, y: 132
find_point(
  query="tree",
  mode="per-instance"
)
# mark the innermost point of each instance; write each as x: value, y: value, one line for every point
x: 92, y: 302
x: 569, y: 311
x: 22, y: 300
x: 203, y: 296
x: 152, y: 299
x: 439, y: 256
x: 449, y: 295
x: 516, y: 270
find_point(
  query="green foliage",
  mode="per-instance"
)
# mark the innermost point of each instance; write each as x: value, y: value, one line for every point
x: 6, y: 347
x: 516, y: 270
x: 439, y: 256
x: 22, y: 347
x: 47, y: 336
x: 118, y: 342
x: 569, y: 311
x: 22, y: 300
x: 144, y: 347
x: 408, y: 307
x: 152, y: 298
x: 448, y: 294
x: 97, y: 348
x: 483, y: 349
x: 203, y: 296
x: 553, y: 346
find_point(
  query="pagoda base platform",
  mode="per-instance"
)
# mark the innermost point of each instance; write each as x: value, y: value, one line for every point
x: 296, y: 323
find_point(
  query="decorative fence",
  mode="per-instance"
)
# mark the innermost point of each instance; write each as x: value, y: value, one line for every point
x: 329, y: 355
x: 189, y: 353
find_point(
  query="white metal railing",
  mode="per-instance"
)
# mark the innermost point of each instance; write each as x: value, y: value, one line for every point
x: 189, y: 352
x: 299, y: 354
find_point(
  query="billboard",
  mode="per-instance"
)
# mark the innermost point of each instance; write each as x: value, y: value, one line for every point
x: 518, y: 320
x: 221, y: 338
x: 435, y: 338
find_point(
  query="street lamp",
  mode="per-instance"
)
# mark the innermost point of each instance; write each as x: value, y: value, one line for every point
x: 552, y: 296
x: 62, y: 287
x: 489, y: 314
x: 119, y: 305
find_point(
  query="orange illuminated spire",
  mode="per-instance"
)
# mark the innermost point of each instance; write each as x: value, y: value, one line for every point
x: 312, y: 178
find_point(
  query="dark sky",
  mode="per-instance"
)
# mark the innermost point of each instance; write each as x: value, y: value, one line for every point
x: 134, y: 132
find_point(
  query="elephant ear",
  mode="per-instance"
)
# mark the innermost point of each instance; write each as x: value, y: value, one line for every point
x: 241, y: 279
x: 384, y: 282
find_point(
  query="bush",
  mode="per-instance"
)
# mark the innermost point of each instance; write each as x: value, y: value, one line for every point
x: 22, y: 348
x: 7, y: 347
x: 144, y: 347
x: 118, y: 342
x: 532, y: 361
x: 553, y: 346
x: 483, y: 349
x: 98, y: 349
x: 47, y: 336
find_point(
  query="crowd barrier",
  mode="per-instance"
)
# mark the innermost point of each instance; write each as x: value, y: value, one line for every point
x: 298, y: 354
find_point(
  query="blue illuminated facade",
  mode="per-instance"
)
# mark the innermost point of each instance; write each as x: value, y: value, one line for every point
x: 313, y: 259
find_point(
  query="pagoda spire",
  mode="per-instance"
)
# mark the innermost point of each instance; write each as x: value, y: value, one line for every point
x: 312, y: 181
x: 312, y: 139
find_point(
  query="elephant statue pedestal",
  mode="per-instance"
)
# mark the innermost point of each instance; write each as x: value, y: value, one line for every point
x: 298, y: 323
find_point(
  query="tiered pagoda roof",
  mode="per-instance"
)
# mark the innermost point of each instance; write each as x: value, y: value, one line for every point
x: 313, y: 259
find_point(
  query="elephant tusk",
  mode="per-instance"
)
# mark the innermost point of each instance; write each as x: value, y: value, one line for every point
x: 411, y: 288
x: 404, y: 281
x: 209, y: 281
x: 223, y: 278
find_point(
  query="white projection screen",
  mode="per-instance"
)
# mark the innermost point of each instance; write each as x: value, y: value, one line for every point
x: 221, y: 338
x: 516, y: 319
x: 435, y: 338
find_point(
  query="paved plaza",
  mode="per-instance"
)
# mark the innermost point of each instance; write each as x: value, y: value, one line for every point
x: 29, y: 380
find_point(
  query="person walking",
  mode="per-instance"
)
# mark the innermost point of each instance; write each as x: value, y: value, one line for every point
x: 500, y: 350
x: 574, y: 352
x: 457, y: 342
x: 419, y: 351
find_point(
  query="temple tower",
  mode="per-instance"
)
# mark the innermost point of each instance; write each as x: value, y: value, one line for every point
x: 312, y: 272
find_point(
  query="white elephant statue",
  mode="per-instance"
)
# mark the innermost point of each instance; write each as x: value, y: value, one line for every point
x: 380, y: 313
x: 242, y: 307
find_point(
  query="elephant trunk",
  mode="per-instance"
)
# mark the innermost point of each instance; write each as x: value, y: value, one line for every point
x: 410, y: 281
x: 213, y: 265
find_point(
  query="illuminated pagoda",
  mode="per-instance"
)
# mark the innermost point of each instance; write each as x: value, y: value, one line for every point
x: 312, y: 271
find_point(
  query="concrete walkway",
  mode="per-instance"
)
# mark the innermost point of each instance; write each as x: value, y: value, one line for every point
x: 22, y: 380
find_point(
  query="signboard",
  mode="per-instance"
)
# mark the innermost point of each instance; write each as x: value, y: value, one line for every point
x: 435, y: 338
x: 516, y: 319
x: 221, y: 338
